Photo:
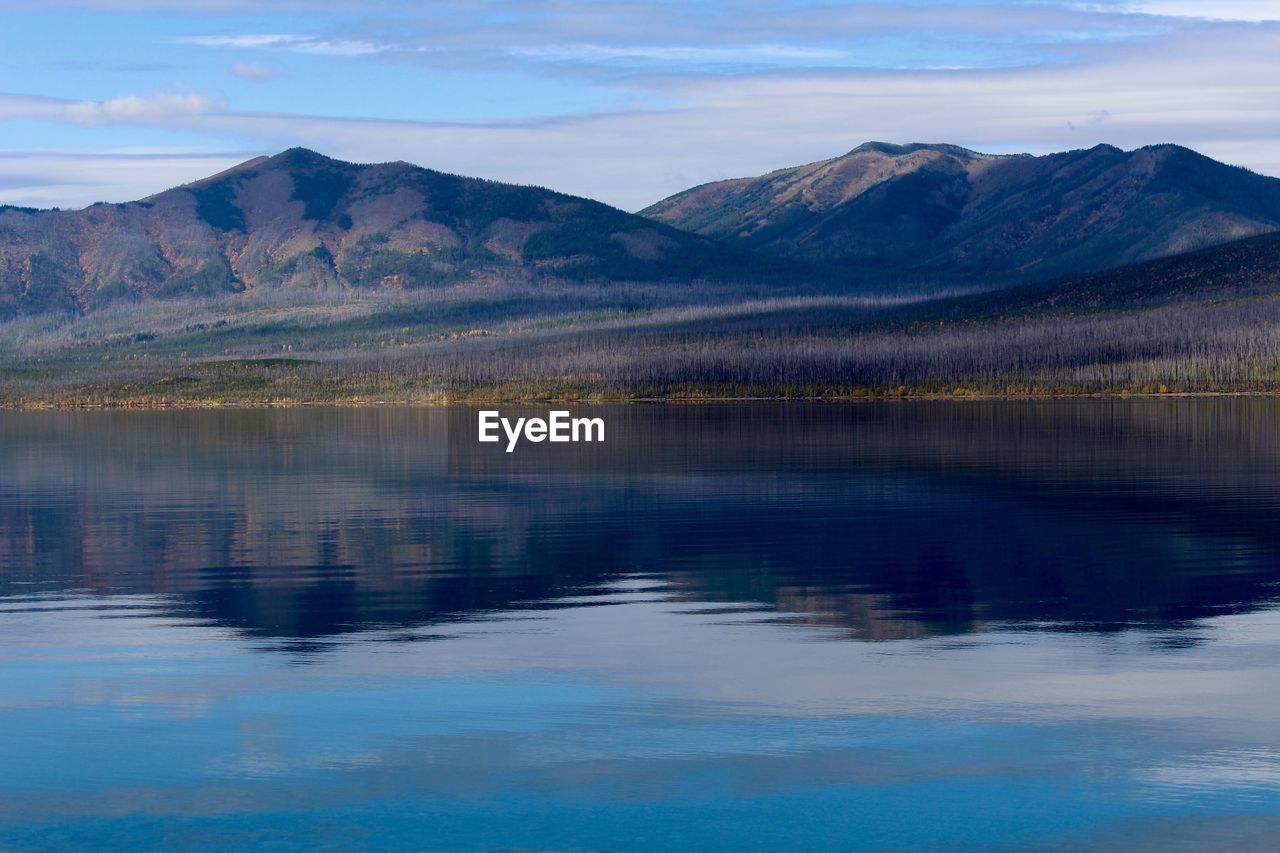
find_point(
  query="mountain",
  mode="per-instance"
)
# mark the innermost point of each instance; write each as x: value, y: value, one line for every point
x: 302, y: 220
x: 940, y: 212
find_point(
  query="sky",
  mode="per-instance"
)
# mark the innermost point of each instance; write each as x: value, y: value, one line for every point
x: 626, y: 101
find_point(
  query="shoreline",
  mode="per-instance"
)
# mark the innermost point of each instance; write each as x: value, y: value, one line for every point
x: 430, y: 402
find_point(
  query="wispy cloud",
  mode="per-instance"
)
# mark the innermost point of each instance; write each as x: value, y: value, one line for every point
x: 1213, y: 10
x: 254, y: 71
x: 1221, y: 95
x: 767, y: 54
x: 717, y: 36
x: 288, y: 43
x: 721, y: 88
x: 66, y: 179
x: 160, y: 108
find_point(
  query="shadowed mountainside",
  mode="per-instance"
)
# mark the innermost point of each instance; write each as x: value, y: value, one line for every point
x: 304, y: 221
x: 1235, y: 270
x: 940, y: 212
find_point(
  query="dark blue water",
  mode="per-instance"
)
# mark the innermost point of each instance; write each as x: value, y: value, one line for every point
x: 742, y: 626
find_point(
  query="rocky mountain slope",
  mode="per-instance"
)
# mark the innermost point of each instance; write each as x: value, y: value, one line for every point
x: 301, y: 220
x: 939, y: 212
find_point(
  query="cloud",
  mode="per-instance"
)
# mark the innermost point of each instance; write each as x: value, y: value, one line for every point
x: 160, y: 108
x: 737, y: 55
x: 1212, y: 87
x: 255, y: 71
x: 730, y: 35
x: 1215, y: 10
x: 69, y: 180
x: 31, y: 107
x: 288, y: 43
x: 1221, y: 95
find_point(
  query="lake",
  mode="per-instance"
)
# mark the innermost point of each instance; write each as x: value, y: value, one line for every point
x: 777, y: 626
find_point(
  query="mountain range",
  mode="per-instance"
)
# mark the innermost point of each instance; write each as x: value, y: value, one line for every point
x: 940, y: 212
x: 881, y: 214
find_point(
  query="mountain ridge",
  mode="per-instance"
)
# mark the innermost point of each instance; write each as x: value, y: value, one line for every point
x: 299, y: 219
x: 883, y: 213
x: 938, y: 211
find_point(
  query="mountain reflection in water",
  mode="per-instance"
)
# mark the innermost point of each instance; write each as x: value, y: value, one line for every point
x: 886, y: 521
x: 819, y: 627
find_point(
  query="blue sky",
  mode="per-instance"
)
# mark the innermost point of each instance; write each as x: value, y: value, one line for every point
x: 622, y: 100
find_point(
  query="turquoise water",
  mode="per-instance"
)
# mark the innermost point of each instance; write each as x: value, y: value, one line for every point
x: 740, y: 626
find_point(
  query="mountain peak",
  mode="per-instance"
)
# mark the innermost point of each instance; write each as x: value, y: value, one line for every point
x: 1173, y: 150
x: 303, y: 157
x: 898, y: 150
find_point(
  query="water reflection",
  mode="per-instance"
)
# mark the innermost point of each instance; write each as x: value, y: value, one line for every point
x: 749, y: 626
x: 886, y: 522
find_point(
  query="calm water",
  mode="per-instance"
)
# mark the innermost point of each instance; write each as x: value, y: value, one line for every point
x: 747, y: 626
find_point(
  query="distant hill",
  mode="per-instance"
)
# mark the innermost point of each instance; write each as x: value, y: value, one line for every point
x: 940, y: 212
x: 302, y: 220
